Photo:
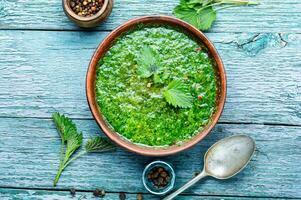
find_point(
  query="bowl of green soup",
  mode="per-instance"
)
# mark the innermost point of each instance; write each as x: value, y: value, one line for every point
x: 156, y: 85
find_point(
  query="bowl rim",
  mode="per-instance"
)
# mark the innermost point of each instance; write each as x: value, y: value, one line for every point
x: 85, y: 19
x: 91, y: 78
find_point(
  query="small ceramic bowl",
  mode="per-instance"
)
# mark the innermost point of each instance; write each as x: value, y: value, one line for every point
x: 149, y: 185
x: 105, y: 46
x: 89, y: 22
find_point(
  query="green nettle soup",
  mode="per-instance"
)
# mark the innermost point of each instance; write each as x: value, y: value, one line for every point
x: 156, y: 86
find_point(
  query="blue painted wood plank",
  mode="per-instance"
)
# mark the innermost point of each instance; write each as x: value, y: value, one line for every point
x: 8, y: 194
x: 42, y: 72
x: 29, y: 156
x: 270, y: 16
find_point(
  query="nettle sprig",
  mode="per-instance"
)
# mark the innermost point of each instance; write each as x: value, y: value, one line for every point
x: 149, y: 66
x: 149, y: 63
x: 72, y: 140
x: 202, y: 13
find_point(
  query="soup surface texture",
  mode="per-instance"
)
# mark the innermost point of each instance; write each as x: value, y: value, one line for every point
x: 134, y: 105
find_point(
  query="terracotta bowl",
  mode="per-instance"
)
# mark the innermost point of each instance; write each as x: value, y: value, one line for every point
x: 104, y: 47
x: 89, y: 22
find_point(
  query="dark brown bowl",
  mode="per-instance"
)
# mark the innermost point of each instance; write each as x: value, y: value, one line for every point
x: 104, y: 47
x: 89, y: 22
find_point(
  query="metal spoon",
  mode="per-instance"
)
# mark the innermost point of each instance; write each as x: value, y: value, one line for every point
x: 223, y: 160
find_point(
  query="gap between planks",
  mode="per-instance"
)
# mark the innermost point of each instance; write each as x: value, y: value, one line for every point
x: 143, y: 193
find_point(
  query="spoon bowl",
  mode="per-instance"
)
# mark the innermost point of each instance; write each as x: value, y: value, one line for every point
x: 224, y: 159
x: 229, y: 156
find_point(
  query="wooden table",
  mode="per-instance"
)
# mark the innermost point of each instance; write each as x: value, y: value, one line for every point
x: 43, y: 63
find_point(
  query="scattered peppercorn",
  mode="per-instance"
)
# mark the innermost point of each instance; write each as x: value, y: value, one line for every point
x: 122, y: 196
x: 86, y: 8
x: 99, y: 193
x: 139, y: 196
x: 159, y: 177
x: 72, y: 192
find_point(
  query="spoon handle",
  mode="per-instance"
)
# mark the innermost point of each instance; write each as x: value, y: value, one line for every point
x: 187, y: 185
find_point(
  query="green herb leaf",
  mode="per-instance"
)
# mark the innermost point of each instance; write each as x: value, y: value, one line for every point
x: 176, y: 94
x: 207, y: 17
x: 202, y: 20
x: 201, y: 14
x: 157, y: 78
x: 64, y: 125
x: 147, y: 62
x: 72, y: 141
x: 69, y: 135
x: 196, y: 3
x: 190, y: 3
x: 187, y: 14
x: 99, y: 144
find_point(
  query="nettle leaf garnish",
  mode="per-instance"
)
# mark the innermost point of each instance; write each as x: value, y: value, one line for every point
x: 202, y: 13
x: 72, y: 140
x: 148, y: 62
x: 176, y: 94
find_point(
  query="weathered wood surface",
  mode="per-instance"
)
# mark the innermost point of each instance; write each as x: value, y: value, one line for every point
x: 269, y: 16
x: 43, y: 63
x: 29, y: 152
x: 42, y: 72
x: 8, y: 194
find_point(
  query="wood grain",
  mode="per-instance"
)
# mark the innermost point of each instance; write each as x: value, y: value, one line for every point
x: 42, y: 72
x: 43, y: 68
x: 8, y: 194
x: 270, y: 16
x: 29, y: 152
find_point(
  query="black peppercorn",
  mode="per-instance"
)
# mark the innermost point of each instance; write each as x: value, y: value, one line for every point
x: 159, y: 177
x: 122, y: 196
x: 99, y: 193
x: 86, y: 8
x: 72, y: 192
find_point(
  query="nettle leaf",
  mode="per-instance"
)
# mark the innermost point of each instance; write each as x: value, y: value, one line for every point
x: 99, y: 144
x: 188, y: 14
x: 200, y: 18
x: 64, y: 125
x: 72, y: 141
x: 207, y: 17
x: 176, y: 94
x: 147, y: 62
x: 190, y: 3
x: 200, y: 13
x: 157, y: 79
